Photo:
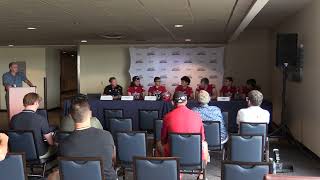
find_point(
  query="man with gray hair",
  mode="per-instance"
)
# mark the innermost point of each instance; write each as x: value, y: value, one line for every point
x: 254, y: 113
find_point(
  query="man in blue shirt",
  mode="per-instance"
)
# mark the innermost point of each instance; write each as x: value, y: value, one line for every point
x: 13, y: 78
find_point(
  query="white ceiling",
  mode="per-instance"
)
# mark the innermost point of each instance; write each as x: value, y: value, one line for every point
x: 62, y: 22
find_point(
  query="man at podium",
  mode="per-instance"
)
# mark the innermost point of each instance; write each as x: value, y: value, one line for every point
x: 13, y: 78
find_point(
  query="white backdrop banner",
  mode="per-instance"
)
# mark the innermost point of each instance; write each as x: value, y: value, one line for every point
x: 170, y: 64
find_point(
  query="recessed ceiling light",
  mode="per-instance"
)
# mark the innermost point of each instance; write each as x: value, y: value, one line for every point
x: 10, y: 45
x: 72, y: 55
x: 84, y: 41
x: 187, y: 40
x: 31, y: 28
x: 178, y: 25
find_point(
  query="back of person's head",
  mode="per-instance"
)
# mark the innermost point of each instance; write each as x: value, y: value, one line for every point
x: 186, y: 79
x: 30, y: 99
x: 179, y: 98
x: 255, y: 98
x: 80, y: 108
x: 204, y: 80
x: 203, y: 97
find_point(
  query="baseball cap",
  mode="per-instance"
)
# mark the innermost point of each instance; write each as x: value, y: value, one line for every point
x: 135, y: 78
x: 179, y: 97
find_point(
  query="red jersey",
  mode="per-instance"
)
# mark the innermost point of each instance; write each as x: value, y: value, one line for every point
x: 181, y: 120
x: 228, y: 90
x: 209, y: 88
x: 136, y: 91
x: 186, y: 90
x: 154, y: 90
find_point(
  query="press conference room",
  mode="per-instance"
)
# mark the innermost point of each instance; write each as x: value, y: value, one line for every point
x: 159, y: 90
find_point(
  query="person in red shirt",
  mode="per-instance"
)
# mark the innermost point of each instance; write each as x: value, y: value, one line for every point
x: 181, y: 120
x: 157, y: 89
x: 210, y: 88
x: 136, y: 89
x: 185, y: 88
x: 251, y: 84
x: 228, y: 90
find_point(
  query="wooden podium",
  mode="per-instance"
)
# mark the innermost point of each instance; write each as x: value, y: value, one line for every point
x: 16, y: 99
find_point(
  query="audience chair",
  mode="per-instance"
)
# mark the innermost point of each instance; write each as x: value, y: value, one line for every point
x: 156, y: 168
x: 111, y: 113
x: 157, y: 133
x: 83, y: 168
x: 244, y: 170
x: 130, y: 144
x: 146, y: 119
x: 225, y: 116
x: 188, y: 147
x: 61, y: 135
x: 212, y: 131
x: 246, y: 148
x: 281, y: 177
x: 256, y: 129
x: 13, y: 167
x: 119, y: 124
x: 24, y: 141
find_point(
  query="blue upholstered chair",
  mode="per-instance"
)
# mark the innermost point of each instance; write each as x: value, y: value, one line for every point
x: 130, y: 144
x: 111, y: 113
x: 246, y: 148
x: 61, y: 135
x: 120, y: 124
x: 24, y: 141
x: 146, y: 119
x: 157, y: 129
x: 156, y: 168
x: 212, y: 131
x: 187, y: 147
x: 225, y: 116
x: 244, y: 170
x: 83, y: 168
x: 13, y: 167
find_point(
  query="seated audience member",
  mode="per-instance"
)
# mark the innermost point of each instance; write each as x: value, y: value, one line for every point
x: 28, y: 119
x: 185, y: 88
x: 251, y: 84
x: 157, y: 89
x: 180, y: 120
x: 210, y: 88
x: 3, y: 146
x: 67, y: 123
x: 210, y: 113
x: 254, y: 113
x: 136, y: 89
x: 86, y: 141
x: 228, y: 90
x: 113, y: 89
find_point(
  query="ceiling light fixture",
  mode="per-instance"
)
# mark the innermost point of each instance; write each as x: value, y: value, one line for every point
x: 10, y: 45
x: 84, y: 41
x: 178, y: 25
x: 187, y: 40
x: 31, y: 28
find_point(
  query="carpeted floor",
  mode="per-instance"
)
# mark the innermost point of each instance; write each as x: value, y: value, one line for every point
x: 303, y: 162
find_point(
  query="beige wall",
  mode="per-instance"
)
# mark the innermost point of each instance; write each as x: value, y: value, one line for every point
x: 35, y: 65
x: 249, y: 57
x: 53, y: 77
x: 303, y: 98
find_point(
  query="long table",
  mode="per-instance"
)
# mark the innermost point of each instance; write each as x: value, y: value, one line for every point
x: 131, y: 108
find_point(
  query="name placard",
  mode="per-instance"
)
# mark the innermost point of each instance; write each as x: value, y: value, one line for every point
x: 106, y: 98
x: 126, y: 98
x: 223, y: 99
x: 150, y: 98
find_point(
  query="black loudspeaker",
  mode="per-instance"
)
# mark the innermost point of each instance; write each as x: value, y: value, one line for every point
x: 287, y: 50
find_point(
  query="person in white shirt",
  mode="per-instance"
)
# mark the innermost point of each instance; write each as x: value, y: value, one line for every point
x: 254, y: 113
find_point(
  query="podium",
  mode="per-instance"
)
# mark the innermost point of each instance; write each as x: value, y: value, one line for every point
x: 16, y: 99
